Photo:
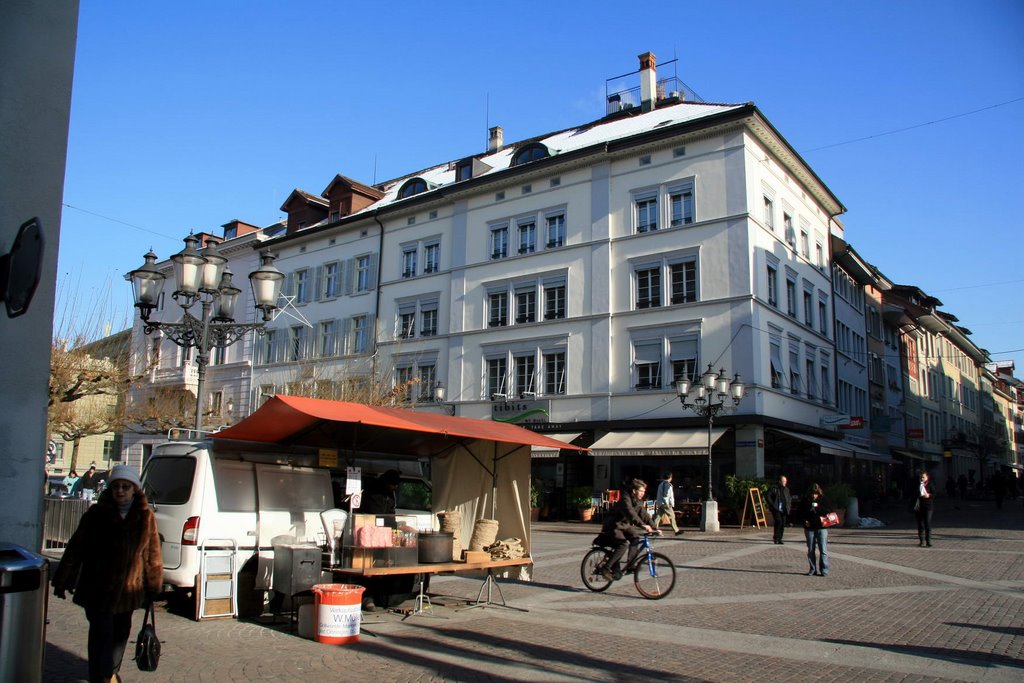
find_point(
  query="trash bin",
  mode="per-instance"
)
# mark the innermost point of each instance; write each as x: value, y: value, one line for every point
x: 23, y: 590
x: 337, y: 612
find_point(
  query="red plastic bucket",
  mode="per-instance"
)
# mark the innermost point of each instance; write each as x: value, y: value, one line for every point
x: 337, y: 612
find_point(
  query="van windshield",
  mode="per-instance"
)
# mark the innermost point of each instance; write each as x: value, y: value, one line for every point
x: 168, y: 480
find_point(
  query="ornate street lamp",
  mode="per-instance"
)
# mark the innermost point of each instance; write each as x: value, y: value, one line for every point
x: 201, y: 275
x: 701, y: 399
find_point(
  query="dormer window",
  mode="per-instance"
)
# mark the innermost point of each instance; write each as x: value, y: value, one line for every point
x: 531, y: 152
x: 464, y: 170
x: 411, y: 187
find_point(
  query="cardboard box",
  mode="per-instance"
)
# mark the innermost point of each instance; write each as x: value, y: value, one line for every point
x: 475, y: 556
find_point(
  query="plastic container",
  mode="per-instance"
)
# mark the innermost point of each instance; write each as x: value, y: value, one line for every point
x: 337, y: 612
x: 435, y: 547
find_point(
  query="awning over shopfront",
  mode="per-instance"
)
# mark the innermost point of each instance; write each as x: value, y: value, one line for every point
x: 827, y: 446
x: 873, y: 455
x: 908, y: 454
x: 840, y: 448
x: 656, y: 442
x: 547, y: 452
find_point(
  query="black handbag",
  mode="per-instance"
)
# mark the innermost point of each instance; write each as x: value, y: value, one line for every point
x: 147, y: 645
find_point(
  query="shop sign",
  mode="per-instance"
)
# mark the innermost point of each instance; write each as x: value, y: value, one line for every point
x: 855, y: 422
x: 915, y: 433
x: 520, y: 411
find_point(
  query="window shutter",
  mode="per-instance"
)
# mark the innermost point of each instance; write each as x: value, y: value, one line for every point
x: 339, y: 282
x: 372, y: 279
x: 350, y: 275
x: 289, y: 283
x: 371, y: 333
x: 318, y: 284
x: 346, y: 337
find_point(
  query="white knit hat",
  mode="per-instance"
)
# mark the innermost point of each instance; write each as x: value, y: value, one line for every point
x: 125, y: 472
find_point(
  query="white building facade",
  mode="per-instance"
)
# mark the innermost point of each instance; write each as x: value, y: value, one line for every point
x: 571, y: 279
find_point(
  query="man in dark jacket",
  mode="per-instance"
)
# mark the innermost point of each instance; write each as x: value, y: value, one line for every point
x: 779, y: 500
x: 624, y: 525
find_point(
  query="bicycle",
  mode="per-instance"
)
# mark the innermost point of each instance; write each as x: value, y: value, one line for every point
x: 654, y: 575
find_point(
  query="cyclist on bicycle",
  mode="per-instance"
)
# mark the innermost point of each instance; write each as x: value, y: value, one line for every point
x: 623, y: 527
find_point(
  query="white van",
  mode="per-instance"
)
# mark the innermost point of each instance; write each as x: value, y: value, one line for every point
x: 217, y: 495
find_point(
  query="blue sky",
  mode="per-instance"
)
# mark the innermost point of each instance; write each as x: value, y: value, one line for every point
x: 187, y: 115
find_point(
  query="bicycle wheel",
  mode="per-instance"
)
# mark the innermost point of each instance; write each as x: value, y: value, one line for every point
x: 655, y: 576
x: 590, y: 573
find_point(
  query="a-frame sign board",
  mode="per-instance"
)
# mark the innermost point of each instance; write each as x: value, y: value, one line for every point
x: 756, y: 505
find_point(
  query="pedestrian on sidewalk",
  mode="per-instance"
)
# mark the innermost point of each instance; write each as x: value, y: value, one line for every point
x: 779, y: 500
x: 112, y: 565
x: 998, y: 488
x: 666, y: 503
x: 89, y: 483
x: 923, y: 510
x: 813, y: 507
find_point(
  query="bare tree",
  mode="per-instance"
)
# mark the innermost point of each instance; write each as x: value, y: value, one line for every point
x: 88, y: 371
x: 160, y: 410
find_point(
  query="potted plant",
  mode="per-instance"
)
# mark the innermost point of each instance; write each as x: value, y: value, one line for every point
x: 583, y: 499
x: 838, y: 495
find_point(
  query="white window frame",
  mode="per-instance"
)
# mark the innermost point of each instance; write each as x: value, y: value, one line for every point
x: 431, y: 257
x: 526, y: 235
x: 499, y: 241
x: 661, y: 293
x: 327, y: 338
x: 687, y: 202
x: 554, y: 222
x: 409, y: 253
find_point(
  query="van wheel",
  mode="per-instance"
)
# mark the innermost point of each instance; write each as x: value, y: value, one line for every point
x: 250, y: 599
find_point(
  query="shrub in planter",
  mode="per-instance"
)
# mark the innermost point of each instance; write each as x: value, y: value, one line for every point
x: 582, y: 498
x: 737, y: 490
x: 838, y: 496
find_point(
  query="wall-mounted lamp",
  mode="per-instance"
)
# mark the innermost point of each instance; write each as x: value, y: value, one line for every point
x: 439, y: 398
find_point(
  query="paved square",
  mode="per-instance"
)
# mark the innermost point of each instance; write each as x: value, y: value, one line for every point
x: 742, y: 610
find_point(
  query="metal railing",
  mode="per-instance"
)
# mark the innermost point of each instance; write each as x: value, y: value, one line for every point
x: 60, y: 519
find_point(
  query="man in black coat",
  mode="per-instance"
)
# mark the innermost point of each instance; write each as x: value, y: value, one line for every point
x: 779, y: 500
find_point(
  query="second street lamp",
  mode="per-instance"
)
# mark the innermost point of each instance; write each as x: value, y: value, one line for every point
x: 701, y: 399
x: 201, y: 275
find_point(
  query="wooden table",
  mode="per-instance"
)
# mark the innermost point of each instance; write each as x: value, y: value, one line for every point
x: 488, y: 585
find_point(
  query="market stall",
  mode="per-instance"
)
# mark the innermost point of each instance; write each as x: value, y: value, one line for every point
x: 479, y: 468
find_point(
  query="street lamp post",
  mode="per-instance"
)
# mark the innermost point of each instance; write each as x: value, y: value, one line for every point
x: 201, y: 276
x: 700, y: 398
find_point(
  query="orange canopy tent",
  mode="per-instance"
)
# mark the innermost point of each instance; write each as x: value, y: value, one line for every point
x: 474, y: 463
x: 316, y: 422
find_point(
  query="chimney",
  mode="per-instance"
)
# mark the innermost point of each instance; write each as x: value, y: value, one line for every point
x: 648, y: 81
x: 495, y: 139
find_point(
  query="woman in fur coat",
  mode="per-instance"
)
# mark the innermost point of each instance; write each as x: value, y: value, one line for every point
x: 112, y: 565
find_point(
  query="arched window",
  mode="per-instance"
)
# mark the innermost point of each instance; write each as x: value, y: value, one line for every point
x: 411, y: 187
x: 531, y: 152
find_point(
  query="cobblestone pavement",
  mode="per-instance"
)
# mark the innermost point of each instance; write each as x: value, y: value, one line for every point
x: 742, y: 610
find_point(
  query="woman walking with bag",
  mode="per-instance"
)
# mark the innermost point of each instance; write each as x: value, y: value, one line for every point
x: 812, y: 508
x: 112, y: 564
